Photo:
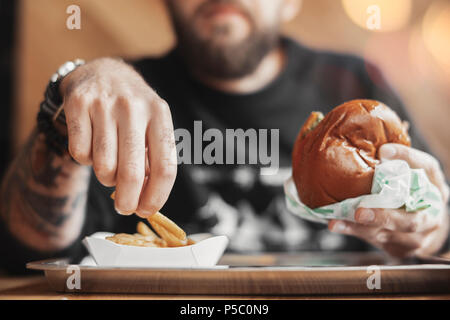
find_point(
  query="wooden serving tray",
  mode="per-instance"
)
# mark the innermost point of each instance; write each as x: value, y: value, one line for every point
x: 267, y: 274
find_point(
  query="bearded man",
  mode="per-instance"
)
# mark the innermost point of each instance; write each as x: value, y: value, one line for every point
x: 230, y: 69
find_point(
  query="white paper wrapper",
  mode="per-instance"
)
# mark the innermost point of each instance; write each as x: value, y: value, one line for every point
x: 205, y: 253
x: 394, y: 185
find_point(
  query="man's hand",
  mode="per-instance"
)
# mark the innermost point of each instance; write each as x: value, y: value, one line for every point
x: 396, y: 231
x: 121, y: 127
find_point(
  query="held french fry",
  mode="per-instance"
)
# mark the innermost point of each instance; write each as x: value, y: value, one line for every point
x: 171, y: 234
x: 162, y: 220
x: 168, y: 224
x: 170, y: 238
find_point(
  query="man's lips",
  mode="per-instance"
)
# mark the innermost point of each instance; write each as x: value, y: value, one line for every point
x: 222, y: 10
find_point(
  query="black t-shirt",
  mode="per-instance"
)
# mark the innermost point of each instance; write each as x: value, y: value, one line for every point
x: 237, y: 200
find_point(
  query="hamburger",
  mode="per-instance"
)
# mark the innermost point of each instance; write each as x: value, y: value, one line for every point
x: 334, y: 157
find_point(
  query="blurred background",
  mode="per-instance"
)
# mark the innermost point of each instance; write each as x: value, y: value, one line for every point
x: 412, y: 48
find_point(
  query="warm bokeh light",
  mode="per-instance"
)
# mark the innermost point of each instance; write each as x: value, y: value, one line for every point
x: 394, y: 14
x: 436, y: 32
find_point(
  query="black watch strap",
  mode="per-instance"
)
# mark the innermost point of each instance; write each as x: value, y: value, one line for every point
x: 53, y: 98
x: 51, y: 109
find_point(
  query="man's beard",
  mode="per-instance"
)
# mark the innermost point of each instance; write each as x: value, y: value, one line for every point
x: 223, y: 61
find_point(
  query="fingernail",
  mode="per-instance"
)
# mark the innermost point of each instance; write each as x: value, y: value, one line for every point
x: 119, y: 212
x: 387, y: 152
x: 339, y: 227
x: 382, y: 237
x: 123, y: 213
x: 366, y: 216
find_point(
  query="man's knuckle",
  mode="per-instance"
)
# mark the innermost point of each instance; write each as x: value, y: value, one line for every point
x: 409, y: 155
x: 166, y: 171
x: 429, y: 166
x: 104, y: 168
x: 125, y: 104
x: 74, y: 149
x: 124, y: 99
x: 79, y: 154
x: 416, y: 244
x: 77, y: 98
x: 165, y: 167
x: 101, y: 147
x: 132, y: 143
x: 74, y: 127
x: 99, y: 105
x: 412, y: 226
x: 162, y: 106
x: 131, y: 173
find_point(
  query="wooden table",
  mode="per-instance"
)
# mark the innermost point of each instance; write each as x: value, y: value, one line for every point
x: 36, y: 287
x: 422, y: 281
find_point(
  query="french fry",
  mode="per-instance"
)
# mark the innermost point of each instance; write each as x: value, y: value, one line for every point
x: 171, y: 234
x: 165, y: 222
x: 130, y: 240
x: 160, y: 242
x: 168, y: 224
x: 144, y: 230
x: 136, y: 240
x: 170, y: 238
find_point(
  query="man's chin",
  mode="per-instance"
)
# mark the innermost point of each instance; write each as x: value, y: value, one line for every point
x: 224, y: 44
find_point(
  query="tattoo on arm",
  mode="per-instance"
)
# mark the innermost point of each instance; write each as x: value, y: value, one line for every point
x: 34, y: 183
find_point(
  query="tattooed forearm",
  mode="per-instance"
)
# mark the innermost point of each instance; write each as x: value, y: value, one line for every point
x: 44, y: 194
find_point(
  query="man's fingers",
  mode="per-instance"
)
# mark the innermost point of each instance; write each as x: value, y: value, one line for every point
x: 104, y: 146
x: 397, y: 244
x: 131, y: 163
x: 79, y: 128
x: 139, y: 213
x: 163, y: 161
x: 366, y: 233
x: 418, y: 160
x: 396, y: 220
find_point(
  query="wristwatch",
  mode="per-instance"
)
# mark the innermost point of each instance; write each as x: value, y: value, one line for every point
x: 53, y: 100
x: 51, y: 109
